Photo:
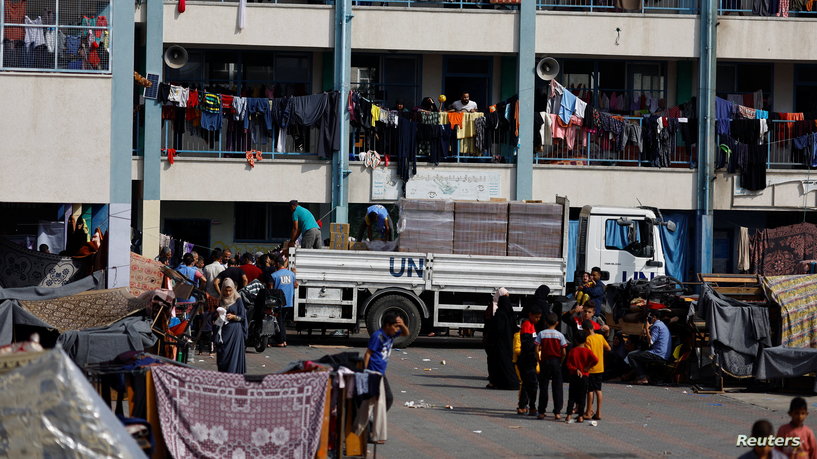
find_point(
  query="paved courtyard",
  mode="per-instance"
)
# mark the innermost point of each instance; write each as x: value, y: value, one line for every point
x: 638, y: 421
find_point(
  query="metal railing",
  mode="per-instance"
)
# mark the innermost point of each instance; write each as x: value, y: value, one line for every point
x: 619, y: 6
x: 745, y: 6
x: 610, y: 6
x: 782, y: 153
x: 599, y: 149
x: 56, y: 36
x: 298, y: 143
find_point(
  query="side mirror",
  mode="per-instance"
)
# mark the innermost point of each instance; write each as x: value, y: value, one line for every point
x: 671, y: 226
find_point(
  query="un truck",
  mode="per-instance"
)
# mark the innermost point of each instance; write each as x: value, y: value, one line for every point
x: 339, y: 289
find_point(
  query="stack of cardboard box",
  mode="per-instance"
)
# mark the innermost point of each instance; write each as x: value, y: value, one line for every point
x: 339, y: 236
x: 481, y: 228
x: 426, y: 225
x: 534, y: 230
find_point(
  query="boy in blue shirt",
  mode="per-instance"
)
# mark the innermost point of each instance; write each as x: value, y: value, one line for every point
x: 285, y: 280
x: 381, y: 342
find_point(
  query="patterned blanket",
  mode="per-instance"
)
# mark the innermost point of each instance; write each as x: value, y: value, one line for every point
x: 797, y: 297
x: 20, y: 267
x: 95, y: 308
x: 222, y: 415
x: 145, y: 274
x: 778, y: 251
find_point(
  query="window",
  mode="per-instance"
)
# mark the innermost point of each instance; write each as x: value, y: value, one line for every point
x: 740, y: 81
x: 633, y: 237
x: 469, y: 74
x: 387, y: 79
x: 262, y: 222
x: 59, y: 35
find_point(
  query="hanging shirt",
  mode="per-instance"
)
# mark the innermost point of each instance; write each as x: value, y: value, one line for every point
x: 34, y: 36
x: 567, y: 107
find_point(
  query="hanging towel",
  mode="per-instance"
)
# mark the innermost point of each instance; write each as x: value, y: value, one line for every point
x: 743, y: 250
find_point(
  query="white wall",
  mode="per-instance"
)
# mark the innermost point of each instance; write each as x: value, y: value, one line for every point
x: 762, y: 38
x: 216, y: 23
x: 201, y: 179
x: 785, y: 192
x: 644, y: 36
x: 669, y: 188
x: 434, y: 29
x: 56, y: 138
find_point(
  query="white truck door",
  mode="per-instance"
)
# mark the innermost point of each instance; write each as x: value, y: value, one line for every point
x: 623, y: 249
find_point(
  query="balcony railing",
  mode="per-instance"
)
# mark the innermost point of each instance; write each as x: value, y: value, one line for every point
x: 235, y: 143
x: 621, y: 6
x: 597, y: 149
x: 744, y: 8
x: 598, y: 6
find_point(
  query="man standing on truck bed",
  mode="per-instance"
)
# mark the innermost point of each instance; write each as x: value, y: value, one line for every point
x: 303, y: 223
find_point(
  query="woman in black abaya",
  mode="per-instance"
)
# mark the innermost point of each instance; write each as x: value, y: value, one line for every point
x: 503, y: 326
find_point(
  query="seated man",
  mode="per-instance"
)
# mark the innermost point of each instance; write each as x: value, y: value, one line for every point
x: 657, y: 336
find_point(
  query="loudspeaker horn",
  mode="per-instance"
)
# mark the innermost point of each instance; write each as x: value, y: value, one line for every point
x: 547, y: 68
x: 176, y: 57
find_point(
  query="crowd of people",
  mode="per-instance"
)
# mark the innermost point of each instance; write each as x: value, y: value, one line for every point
x: 546, y: 349
x: 234, y: 289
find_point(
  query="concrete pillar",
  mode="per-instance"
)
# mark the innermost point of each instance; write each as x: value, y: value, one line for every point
x: 152, y: 164
x: 119, y: 211
x: 343, y: 63
x: 525, y: 86
x: 706, y: 136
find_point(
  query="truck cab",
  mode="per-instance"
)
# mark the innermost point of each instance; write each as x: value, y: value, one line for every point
x: 624, y: 242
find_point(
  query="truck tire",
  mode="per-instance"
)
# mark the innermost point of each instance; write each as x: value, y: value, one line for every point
x: 404, y: 308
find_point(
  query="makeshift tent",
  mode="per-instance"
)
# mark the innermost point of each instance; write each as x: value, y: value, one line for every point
x: 20, y: 267
x: 48, y: 409
x: 738, y: 331
x: 797, y: 298
x: 103, y: 344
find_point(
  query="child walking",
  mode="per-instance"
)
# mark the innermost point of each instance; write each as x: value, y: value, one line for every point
x: 552, y: 347
x: 579, y: 362
x: 527, y: 362
x: 598, y: 345
x: 798, y: 410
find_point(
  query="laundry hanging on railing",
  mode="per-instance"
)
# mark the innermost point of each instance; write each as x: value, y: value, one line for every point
x: 251, y: 120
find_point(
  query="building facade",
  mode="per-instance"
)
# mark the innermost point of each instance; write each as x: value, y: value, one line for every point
x: 81, y: 137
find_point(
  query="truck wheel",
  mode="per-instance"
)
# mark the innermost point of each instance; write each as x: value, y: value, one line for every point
x: 261, y: 345
x: 401, y: 306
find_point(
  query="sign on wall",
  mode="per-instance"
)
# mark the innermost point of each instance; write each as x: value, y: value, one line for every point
x: 459, y: 185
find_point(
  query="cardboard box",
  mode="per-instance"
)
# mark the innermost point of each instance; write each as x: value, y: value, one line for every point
x: 339, y: 241
x: 339, y: 228
x: 427, y: 225
x: 535, y: 230
x: 481, y: 228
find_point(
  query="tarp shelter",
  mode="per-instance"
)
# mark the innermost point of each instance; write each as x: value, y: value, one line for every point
x: 48, y: 409
x: 797, y: 298
x: 20, y: 267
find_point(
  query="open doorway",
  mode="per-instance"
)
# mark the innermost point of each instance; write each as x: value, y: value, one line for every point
x: 470, y: 74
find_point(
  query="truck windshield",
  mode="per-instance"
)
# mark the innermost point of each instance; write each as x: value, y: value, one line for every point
x: 632, y: 238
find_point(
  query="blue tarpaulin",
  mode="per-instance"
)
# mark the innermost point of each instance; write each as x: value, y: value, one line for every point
x: 677, y: 249
x: 572, y: 236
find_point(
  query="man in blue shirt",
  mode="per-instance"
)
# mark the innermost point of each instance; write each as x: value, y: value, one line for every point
x: 304, y: 224
x: 381, y: 342
x: 658, y: 336
x: 284, y: 279
x: 378, y: 225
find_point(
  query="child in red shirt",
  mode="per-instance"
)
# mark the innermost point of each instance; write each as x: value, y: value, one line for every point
x: 527, y: 361
x: 579, y: 362
x: 807, y: 449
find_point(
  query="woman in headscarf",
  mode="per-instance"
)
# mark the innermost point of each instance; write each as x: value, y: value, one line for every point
x: 503, y: 328
x: 489, y: 338
x: 231, y: 335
